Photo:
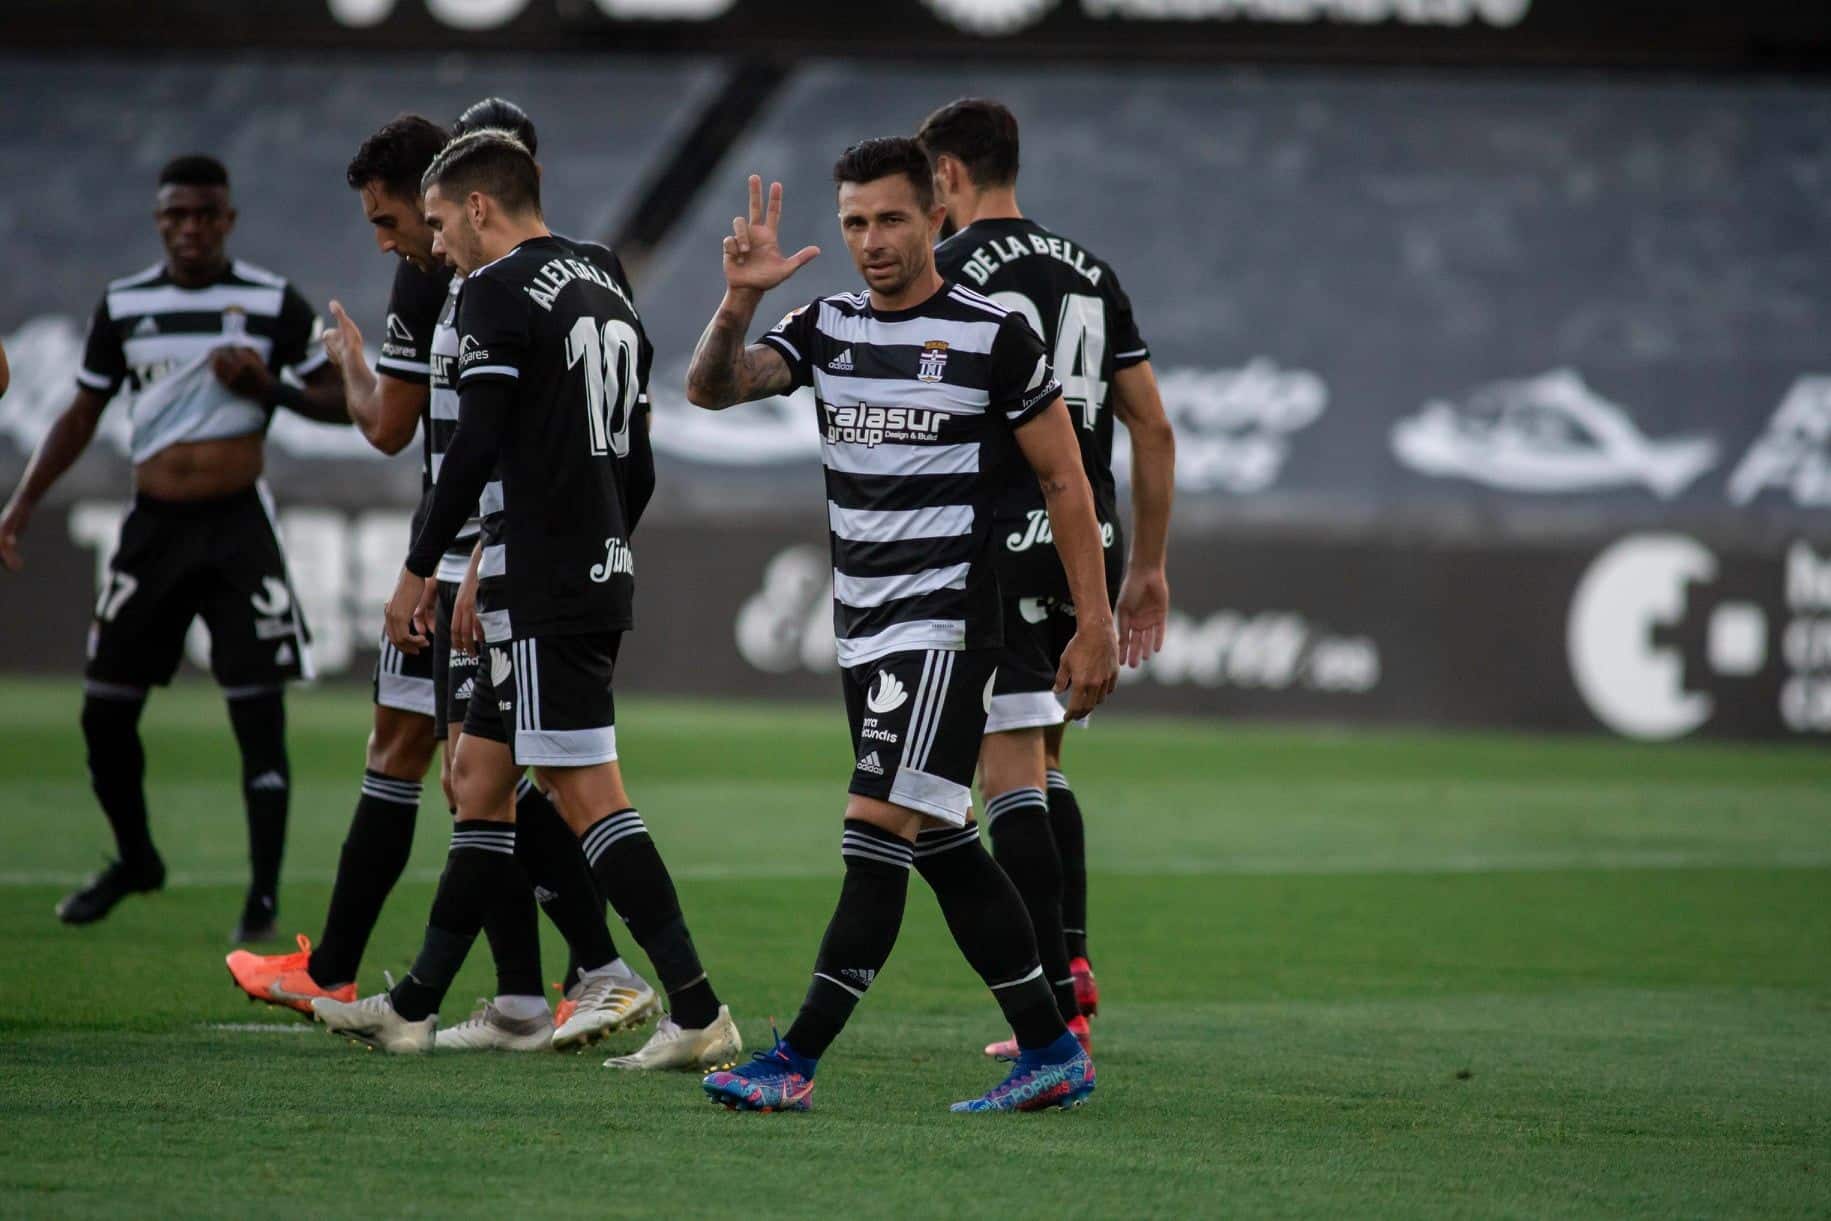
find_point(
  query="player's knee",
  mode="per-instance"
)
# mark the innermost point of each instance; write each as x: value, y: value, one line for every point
x: 1012, y: 760
x: 401, y: 744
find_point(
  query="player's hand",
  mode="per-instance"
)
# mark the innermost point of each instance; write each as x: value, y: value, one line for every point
x: 753, y: 259
x: 1090, y: 667
x: 244, y: 372
x: 1144, y: 608
x: 12, y: 524
x: 426, y: 613
x: 342, y: 339
x: 466, y: 631
x: 400, y: 616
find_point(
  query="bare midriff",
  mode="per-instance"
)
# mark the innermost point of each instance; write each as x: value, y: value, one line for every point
x: 201, y: 470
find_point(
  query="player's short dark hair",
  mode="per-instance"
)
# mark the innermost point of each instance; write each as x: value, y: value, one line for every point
x: 491, y: 162
x: 397, y: 155
x: 980, y: 133
x: 501, y: 114
x: 194, y: 170
x: 885, y: 157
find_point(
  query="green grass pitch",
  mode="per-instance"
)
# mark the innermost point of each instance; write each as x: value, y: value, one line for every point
x: 1372, y: 974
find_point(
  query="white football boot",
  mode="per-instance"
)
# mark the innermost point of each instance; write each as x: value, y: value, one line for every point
x: 490, y: 1029
x: 716, y: 1046
x: 606, y: 1002
x: 372, y: 1020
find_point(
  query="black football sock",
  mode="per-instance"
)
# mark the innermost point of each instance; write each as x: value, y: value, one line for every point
x: 117, y: 768
x: 513, y: 931
x: 1071, y: 842
x: 1023, y: 844
x: 631, y: 874
x: 551, y: 856
x: 858, y: 938
x: 987, y: 919
x: 478, y: 869
x: 375, y: 852
x: 259, y: 719
x: 535, y: 815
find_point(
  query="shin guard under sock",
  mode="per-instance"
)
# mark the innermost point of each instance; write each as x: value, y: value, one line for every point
x: 1023, y: 844
x: 479, y: 867
x: 375, y: 853
x: 631, y: 874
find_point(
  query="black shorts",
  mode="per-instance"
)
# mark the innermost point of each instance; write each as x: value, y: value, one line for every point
x: 404, y: 680
x: 549, y: 698
x: 917, y: 720
x: 220, y: 559
x: 454, y: 673
x: 1037, y: 632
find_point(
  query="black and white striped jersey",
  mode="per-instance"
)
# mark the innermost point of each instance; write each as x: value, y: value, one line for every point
x: 550, y: 348
x: 1076, y: 304
x: 157, y: 337
x: 442, y: 421
x: 917, y: 411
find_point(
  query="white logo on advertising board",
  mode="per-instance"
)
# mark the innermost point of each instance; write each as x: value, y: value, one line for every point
x: 1640, y: 590
x: 1793, y: 456
x: 1550, y: 433
x: 1234, y: 427
x: 1276, y: 650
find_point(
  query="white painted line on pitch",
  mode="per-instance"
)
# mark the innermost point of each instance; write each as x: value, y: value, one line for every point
x: 257, y: 1027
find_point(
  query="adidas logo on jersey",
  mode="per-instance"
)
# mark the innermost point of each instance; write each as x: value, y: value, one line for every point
x: 888, y: 695
x: 268, y: 782
x: 870, y: 763
x: 146, y: 327
x: 841, y: 363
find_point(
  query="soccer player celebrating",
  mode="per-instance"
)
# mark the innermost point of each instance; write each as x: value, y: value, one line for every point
x: 549, y: 366
x: 414, y: 694
x: 201, y: 340
x: 1075, y: 303
x: 925, y: 391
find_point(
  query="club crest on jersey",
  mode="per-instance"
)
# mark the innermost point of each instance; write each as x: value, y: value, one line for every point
x: 235, y: 321
x: 870, y: 426
x: 933, y: 361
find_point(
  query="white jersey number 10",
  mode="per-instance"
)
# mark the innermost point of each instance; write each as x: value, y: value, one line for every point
x: 1080, y: 349
x: 610, y: 380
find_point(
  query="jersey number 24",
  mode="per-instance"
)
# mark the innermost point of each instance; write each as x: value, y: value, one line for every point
x: 1080, y: 349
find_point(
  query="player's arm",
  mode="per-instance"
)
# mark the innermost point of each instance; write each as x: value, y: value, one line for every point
x: 1144, y: 594
x: 724, y: 370
x: 68, y: 437
x: 1090, y: 664
x: 386, y: 410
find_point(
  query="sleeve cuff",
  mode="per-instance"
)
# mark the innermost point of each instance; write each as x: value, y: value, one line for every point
x: 783, y: 346
x: 1125, y: 360
x: 1035, y: 405
x: 96, y: 381
x: 489, y: 371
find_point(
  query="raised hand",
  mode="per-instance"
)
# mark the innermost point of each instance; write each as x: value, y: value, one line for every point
x: 343, y: 338
x: 753, y: 259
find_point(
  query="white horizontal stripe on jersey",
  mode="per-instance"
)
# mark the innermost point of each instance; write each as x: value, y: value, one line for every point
x: 95, y: 381
x: 170, y: 299
x: 902, y: 638
x: 444, y: 403
x: 260, y: 275
x: 866, y: 592
x: 967, y: 296
x: 396, y: 365
x: 845, y: 391
x: 491, y: 500
x: 859, y: 328
x: 495, y: 561
x: 496, y: 626
x: 138, y: 277
x: 490, y: 371
x: 889, y: 458
x: 898, y: 525
x: 178, y: 348
x: 315, y: 359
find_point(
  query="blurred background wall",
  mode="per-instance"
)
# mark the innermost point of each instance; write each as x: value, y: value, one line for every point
x: 1494, y: 331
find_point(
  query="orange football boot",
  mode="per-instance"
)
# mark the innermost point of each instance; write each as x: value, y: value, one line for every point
x: 562, y: 1012
x: 282, y: 979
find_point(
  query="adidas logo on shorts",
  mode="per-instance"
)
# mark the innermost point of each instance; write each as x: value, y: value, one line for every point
x: 870, y: 763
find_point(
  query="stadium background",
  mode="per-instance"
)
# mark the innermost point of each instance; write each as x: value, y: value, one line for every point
x: 1493, y: 330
